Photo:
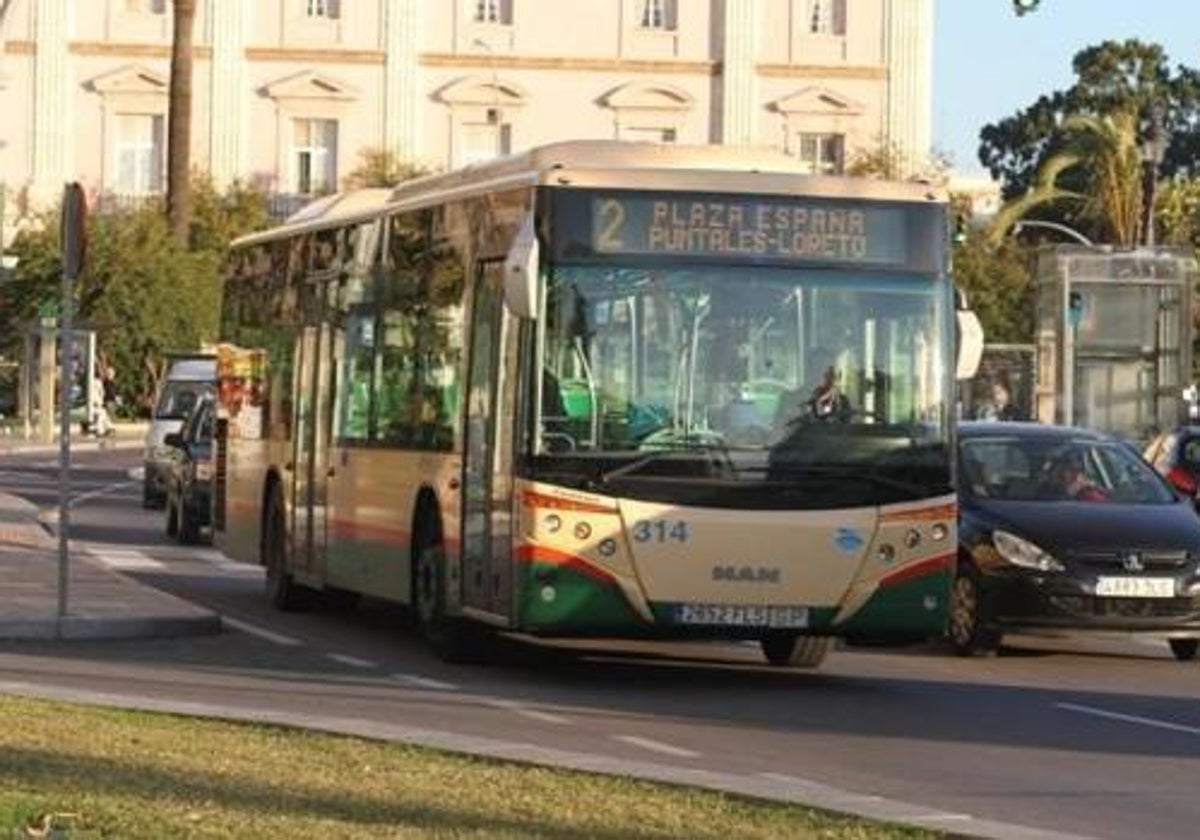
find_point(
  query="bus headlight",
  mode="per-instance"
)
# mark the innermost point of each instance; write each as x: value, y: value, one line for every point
x: 1023, y: 553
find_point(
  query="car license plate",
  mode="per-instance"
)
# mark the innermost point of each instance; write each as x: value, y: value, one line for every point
x: 741, y: 615
x: 1135, y: 587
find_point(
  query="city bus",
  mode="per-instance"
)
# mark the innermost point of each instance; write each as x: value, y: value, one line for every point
x: 601, y: 389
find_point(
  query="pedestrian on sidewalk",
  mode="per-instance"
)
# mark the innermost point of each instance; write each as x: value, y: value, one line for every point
x: 108, y: 407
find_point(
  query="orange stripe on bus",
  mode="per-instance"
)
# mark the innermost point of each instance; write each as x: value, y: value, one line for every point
x: 924, y: 568
x: 949, y: 511
x: 540, y: 500
x: 541, y: 554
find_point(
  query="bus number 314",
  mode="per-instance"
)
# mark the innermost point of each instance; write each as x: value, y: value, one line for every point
x: 661, y: 530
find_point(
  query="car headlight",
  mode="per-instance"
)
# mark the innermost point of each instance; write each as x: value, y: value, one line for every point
x: 1023, y: 553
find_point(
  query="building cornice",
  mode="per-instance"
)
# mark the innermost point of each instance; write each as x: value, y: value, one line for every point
x: 821, y: 71
x: 113, y: 49
x: 597, y: 65
x: 316, y: 55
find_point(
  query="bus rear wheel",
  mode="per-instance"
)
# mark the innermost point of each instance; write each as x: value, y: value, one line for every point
x: 1184, y: 649
x: 283, y: 592
x: 452, y: 640
x: 792, y: 651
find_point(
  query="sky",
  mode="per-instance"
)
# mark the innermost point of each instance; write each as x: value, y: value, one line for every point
x: 989, y: 63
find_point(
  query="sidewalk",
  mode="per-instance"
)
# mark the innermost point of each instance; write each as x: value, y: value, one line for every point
x: 126, y: 436
x: 102, y: 604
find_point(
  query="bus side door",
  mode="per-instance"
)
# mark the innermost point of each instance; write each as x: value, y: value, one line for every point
x: 487, y: 459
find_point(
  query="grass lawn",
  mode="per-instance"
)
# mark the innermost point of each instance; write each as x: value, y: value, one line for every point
x: 75, y: 772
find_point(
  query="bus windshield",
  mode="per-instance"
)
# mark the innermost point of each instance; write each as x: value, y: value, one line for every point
x: 744, y: 386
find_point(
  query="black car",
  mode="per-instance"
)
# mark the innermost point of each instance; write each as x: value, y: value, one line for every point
x: 188, y: 474
x: 1068, y: 528
x: 1176, y: 457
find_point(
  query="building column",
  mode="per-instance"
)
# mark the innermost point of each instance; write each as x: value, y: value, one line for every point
x: 52, y: 105
x: 402, y: 88
x: 908, y: 53
x: 228, y: 90
x: 739, y: 95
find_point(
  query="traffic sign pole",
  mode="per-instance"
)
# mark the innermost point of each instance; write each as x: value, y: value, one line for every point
x: 74, y: 220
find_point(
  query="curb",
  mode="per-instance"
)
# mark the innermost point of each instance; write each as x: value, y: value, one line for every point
x: 86, y: 446
x: 82, y: 628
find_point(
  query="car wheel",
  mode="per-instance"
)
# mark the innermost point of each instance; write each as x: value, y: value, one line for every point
x: 1184, y: 649
x: 283, y: 592
x: 189, y: 532
x: 451, y: 639
x: 970, y: 632
x: 172, y: 520
x: 787, y: 650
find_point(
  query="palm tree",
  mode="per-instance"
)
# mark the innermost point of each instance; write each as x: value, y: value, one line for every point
x: 179, y: 122
x: 1107, y: 148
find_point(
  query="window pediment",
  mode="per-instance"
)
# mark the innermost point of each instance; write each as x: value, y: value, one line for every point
x: 310, y: 85
x: 648, y: 96
x: 133, y: 79
x: 818, y: 100
x: 483, y: 91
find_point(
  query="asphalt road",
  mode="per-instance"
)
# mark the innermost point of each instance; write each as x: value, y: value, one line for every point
x: 1088, y: 737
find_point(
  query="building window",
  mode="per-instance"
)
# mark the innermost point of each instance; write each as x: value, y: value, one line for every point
x: 330, y: 9
x: 827, y: 17
x: 822, y: 154
x: 658, y: 14
x: 492, y: 11
x: 146, y: 7
x: 314, y: 152
x: 484, y: 141
x: 140, y: 158
x: 648, y: 135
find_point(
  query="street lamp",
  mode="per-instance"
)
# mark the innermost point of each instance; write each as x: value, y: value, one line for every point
x: 1069, y: 231
x: 1154, y: 149
x: 1024, y: 7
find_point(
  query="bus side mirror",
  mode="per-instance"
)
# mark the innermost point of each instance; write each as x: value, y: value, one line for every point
x: 970, y: 343
x: 521, y: 272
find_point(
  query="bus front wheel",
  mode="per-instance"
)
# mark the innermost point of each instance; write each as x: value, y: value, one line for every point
x: 282, y: 591
x: 791, y: 651
x: 451, y: 639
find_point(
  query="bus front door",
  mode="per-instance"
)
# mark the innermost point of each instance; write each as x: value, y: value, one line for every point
x: 487, y: 463
x: 314, y: 417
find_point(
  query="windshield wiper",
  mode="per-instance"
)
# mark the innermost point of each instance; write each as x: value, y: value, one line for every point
x: 666, y: 449
x: 836, y: 473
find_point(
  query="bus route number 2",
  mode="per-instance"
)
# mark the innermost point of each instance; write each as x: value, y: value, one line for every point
x: 661, y: 530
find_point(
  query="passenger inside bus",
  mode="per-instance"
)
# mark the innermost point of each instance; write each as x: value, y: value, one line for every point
x: 823, y: 401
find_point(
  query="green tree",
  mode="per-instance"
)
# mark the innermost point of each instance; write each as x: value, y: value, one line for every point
x: 1113, y: 77
x: 382, y: 168
x: 998, y: 281
x: 1104, y: 151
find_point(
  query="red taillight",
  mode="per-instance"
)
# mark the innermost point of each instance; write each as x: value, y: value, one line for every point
x: 1182, y: 480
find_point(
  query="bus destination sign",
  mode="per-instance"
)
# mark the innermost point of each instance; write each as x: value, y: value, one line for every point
x: 767, y: 228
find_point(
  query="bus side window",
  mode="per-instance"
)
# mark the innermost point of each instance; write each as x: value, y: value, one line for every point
x: 397, y: 393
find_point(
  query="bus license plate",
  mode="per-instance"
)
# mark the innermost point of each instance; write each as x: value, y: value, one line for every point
x: 739, y: 615
x: 1135, y: 587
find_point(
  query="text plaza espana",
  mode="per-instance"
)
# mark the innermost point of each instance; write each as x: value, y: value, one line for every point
x: 761, y: 229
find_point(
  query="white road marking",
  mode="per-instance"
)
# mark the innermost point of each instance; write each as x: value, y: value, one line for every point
x: 352, y: 661
x: 261, y: 632
x: 137, y: 473
x: 103, y: 491
x: 520, y: 709
x: 425, y: 682
x: 1141, y: 721
x: 839, y: 797
x: 657, y: 746
x: 122, y: 559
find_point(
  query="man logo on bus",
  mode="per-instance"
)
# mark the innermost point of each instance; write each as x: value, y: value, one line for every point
x: 747, y: 574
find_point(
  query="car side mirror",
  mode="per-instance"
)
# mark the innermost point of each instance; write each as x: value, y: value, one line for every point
x: 174, y: 440
x: 1182, y: 481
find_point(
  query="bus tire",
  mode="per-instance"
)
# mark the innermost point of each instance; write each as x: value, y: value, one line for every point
x: 453, y: 640
x: 787, y: 650
x: 283, y: 592
x: 172, y: 521
x: 1184, y: 649
x: 970, y: 632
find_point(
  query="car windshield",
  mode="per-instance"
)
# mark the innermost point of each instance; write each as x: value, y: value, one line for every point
x: 824, y: 386
x: 1027, y: 469
x: 179, y: 398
